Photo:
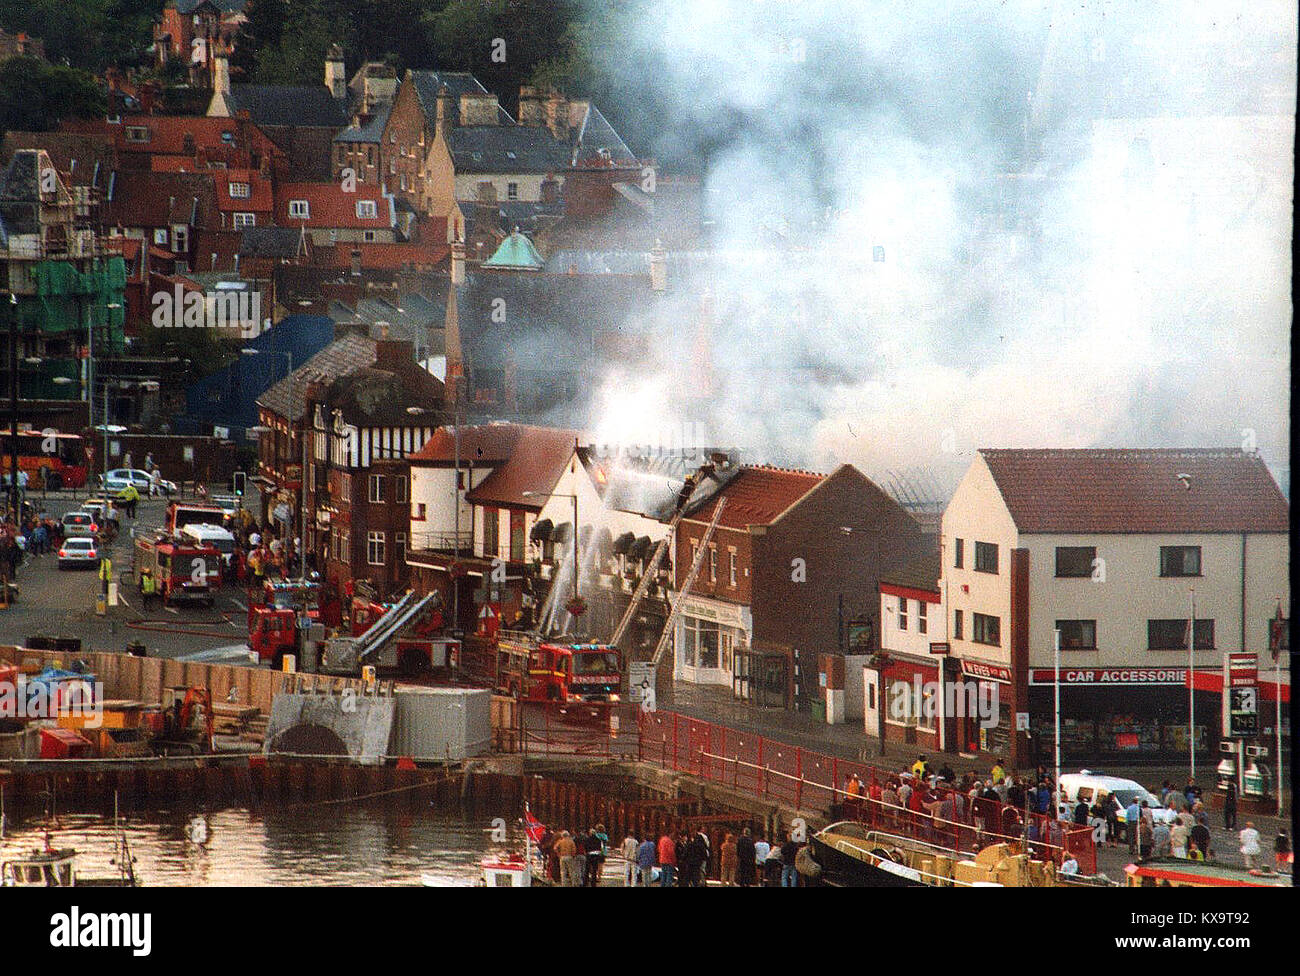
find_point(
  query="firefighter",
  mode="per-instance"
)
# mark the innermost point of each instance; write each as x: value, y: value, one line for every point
x: 105, y: 573
x: 148, y: 587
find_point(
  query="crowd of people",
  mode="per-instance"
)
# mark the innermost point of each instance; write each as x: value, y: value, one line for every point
x: 676, y: 859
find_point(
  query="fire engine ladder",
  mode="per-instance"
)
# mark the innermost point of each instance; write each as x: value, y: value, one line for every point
x: 408, y: 610
x: 647, y: 578
x: 700, y: 555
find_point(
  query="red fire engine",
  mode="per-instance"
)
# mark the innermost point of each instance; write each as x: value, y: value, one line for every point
x: 184, y: 572
x: 536, y: 670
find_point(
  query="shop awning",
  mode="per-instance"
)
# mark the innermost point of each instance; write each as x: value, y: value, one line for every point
x: 542, y: 531
x: 623, y: 543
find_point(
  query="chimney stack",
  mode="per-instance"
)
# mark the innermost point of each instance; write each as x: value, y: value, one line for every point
x: 658, y: 267
x: 458, y: 262
x: 530, y: 106
x: 557, y: 116
x: 440, y: 114
x: 336, y: 77
x: 221, y: 72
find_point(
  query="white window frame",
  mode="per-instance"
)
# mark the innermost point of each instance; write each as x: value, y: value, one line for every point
x: 376, y: 489
x: 734, y: 569
x: 300, y: 210
x: 242, y: 220
x: 240, y: 191
x: 512, y: 191
x: 378, y: 539
x: 367, y: 210
x: 399, y: 547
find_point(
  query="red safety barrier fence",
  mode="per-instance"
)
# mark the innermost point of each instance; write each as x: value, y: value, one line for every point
x: 763, y: 767
x: 578, y: 729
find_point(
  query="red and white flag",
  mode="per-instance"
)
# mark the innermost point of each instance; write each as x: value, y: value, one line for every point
x: 534, y: 827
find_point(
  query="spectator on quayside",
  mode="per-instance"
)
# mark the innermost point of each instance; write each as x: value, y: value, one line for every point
x: 1193, y: 852
x: 628, y: 851
x: 746, y: 866
x: 1249, y: 837
x: 567, y: 850
x: 1200, y: 839
x: 1230, y: 806
x: 667, y: 860
x: 918, y: 767
x: 1179, y: 835
x: 904, y: 793
x: 789, y: 857
x: 1069, y: 867
x: 762, y: 849
x: 1132, y: 813
x: 1162, y: 839
x: 645, y: 862
x: 998, y: 774
x: 580, y: 858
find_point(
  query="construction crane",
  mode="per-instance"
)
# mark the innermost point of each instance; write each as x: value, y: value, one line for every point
x: 700, y: 554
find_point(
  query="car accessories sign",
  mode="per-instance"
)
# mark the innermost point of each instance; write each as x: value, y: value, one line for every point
x: 1110, y: 676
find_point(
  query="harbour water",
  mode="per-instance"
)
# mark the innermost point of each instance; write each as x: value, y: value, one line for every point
x: 371, y: 845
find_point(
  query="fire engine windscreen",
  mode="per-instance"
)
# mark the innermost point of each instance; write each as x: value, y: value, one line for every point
x: 595, y: 662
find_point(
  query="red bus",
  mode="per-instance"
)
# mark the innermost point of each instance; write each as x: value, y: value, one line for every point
x: 51, y: 460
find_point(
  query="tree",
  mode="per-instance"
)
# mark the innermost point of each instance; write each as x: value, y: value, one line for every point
x: 35, y: 96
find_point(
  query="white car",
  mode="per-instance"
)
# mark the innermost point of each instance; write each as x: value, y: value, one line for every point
x: 81, y: 524
x: 119, y: 478
x: 1095, y: 787
x: 80, y: 552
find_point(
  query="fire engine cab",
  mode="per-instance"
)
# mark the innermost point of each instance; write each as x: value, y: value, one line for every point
x: 185, y: 572
x: 536, y: 670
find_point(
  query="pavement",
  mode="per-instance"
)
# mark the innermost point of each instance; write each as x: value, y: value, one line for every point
x: 716, y: 704
x: 61, y: 603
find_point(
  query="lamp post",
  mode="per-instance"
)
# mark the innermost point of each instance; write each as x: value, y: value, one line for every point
x: 1056, y: 692
x: 13, y: 407
x: 90, y: 394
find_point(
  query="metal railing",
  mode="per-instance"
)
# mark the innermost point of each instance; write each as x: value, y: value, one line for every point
x: 443, y: 542
x: 777, y: 771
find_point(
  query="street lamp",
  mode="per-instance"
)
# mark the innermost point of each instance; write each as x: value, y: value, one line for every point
x: 90, y: 390
x: 13, y: 408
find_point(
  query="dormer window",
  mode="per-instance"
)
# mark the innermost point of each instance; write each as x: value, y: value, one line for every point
x: 239, y: 191
x: 299, y: 209
x: 366, y: 210
x: 137, y: 133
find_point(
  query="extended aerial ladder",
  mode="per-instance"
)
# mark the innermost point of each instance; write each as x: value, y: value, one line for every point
x: 647, y: 578
x: 700, y: 554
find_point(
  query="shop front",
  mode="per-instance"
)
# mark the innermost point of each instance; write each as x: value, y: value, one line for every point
x: 912, y: 699
x: 708, y: 635
x: 988, y: 722
x: 1116, y: 714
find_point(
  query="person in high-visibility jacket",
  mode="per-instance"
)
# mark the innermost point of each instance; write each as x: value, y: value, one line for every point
x: 130, y: 496
x: 106, y: 573
x: 148, y: 588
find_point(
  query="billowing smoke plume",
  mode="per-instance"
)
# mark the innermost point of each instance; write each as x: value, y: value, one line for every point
x: 947, y: 226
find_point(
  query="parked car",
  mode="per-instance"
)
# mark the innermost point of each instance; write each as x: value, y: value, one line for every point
x: 79, y: 524
x: 104, y: 511
x: 80, y: 552
x: 1094, y: 787
x: 119, y: 478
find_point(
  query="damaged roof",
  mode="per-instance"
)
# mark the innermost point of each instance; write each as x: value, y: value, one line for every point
x: 339, y: 358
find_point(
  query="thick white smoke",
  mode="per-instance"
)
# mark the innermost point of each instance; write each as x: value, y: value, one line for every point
x: 944, y: 227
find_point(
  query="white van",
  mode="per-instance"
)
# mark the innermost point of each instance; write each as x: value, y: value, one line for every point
x: 199, y: 533
x: 1095, y: 787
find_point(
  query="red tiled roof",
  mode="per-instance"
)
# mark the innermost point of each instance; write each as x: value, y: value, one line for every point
x: 217, y: 136
x: 1127, y: 491
x: 379, y: 256
x: 534, y: 460
x: 757, y: 495
x: 329, y: 206
x: 259, y: 199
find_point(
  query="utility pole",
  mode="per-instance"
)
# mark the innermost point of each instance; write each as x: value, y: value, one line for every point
x: 14, y: 498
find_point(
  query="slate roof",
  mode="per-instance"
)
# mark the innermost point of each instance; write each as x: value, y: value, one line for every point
x: 289, y: 105
x: 596, y: 134
x: 271, y: 242
x: 371, y: 130
x: 339, y: 358
x: 506, y: 149
x: 187, y: 7
x: 919, y: 573
x: 83, y: 158
x: 458, y: 83
x: 757, y: 495
x: 1138, y: 491
x: 369, y: 396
